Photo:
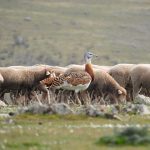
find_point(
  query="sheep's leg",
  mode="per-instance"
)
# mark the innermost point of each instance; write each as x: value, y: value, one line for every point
x: 46, y: 94
x: 85, y: 97
x: 129, y: 98
x: 70, y: 99
x: 136, y: 89
x: 2, y: 97
x: 64, y: 96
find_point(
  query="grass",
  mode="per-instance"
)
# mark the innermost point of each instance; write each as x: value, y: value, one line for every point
x: 58, y: 34
x: 60, y: 31
x: 60, y: 132
x: 128, y: 136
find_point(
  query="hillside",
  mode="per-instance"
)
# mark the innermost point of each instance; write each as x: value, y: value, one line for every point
x: 58, y: 32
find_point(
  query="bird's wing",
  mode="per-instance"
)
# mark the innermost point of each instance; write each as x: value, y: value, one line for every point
x: 76, y: 78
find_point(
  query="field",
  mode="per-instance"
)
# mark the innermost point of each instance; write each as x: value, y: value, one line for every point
x: 58, y: 32
x: 58, y: 132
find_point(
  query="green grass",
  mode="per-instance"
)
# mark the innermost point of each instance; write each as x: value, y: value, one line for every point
x: 60, y: 31
x: 128, y: 136
x: 56, y: 132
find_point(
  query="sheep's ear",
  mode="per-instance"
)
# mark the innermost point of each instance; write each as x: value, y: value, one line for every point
x: 47, y: 73
x: 119, y: 92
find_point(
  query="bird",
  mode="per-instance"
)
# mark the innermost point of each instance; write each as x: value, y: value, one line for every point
x: 46, y: 83
x: 55, y: 71
x: 76, y: 79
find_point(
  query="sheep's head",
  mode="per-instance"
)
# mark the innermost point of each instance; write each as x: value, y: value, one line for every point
x: 119, y: 95
x: 48, y: 73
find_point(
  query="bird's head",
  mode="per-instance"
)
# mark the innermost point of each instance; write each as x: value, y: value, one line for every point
x: 88, y: 56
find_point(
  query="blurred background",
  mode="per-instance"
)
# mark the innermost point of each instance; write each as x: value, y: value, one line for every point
x: 58, y: 32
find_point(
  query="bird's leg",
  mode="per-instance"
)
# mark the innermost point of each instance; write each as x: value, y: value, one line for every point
x: 48, y: 96
x: 36, y: 96
x: 46, y: 93
x: 89, y: 98
x: 70, y: 99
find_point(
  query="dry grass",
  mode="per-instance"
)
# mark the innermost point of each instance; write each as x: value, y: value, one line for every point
x: 60, y: 31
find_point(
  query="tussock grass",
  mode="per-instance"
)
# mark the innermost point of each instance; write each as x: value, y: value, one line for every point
x: 129, y: 136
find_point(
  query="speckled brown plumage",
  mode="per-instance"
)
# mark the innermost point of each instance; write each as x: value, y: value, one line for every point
x: 75, y: 78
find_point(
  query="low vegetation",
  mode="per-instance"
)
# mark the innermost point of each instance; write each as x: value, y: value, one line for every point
x: 129, y: 136
x: 62, y: 131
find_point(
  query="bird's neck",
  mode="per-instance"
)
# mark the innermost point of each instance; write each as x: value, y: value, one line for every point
x: 89, y: 70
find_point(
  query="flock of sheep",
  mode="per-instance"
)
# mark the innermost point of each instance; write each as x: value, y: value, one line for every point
x: 113, y: 84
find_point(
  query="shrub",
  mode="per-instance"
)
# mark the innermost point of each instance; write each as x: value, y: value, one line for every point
x: 128, y: 136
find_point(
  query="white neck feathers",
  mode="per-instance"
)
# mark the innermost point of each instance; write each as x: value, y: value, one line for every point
x: 87, y: 61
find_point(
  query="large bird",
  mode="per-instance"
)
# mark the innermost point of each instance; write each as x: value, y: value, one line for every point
x: 76, y: 79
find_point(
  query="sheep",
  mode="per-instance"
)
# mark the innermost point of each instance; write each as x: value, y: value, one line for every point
x: 105, y: 85
x: 95, y: 67
x: 75, y: 66
x: 44, y: 84
x: 121, y: 73
x: 98, y: 89
x: 104, y: 68
x: 23, y: 78
x: 140, y: 78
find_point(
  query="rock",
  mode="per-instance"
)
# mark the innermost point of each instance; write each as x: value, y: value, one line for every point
x: 142, y: 109
x: 28, y: 18
x: 61, y: 109
x: 136, y: 109
x: 114, y: 109
x: 129, y: 108
x: 36, y: 108
x: 9, y: 121
x: 4, y: 115
x: 2, y: 104
x: 112, y: 116
x: 19, y: 40
x: 141, y: 99
x: 64, y: 109
x: 93, y: 112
